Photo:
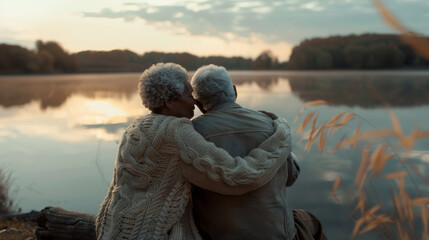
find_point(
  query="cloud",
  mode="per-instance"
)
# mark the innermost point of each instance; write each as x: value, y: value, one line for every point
x: 270, y: 20
x: 313, y: 6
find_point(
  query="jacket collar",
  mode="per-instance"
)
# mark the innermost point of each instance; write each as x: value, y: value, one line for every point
x: 225, y: 106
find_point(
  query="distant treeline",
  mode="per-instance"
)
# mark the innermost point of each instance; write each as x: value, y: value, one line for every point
x: 127, y: 61
x: 368, y: 51
x: 48, y: 57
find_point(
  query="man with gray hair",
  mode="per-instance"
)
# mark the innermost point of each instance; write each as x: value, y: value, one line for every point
x: 260, y: 214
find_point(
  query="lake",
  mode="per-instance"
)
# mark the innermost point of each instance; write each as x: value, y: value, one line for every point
x: 59, y: 134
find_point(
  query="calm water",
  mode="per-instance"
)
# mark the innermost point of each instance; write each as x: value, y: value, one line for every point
x: 59, y: 134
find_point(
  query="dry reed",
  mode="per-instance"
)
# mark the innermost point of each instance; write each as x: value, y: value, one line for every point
x: 6, y: 205
x: 374, y: 157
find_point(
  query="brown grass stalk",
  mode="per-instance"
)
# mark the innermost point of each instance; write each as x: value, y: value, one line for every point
x: 416, y: 41
x: 371, y: 165
x: 336, y: 185
x: 313, y: 103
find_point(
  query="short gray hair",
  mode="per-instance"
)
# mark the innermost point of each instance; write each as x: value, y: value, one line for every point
x: 212, y: 85
x: 162, y: 81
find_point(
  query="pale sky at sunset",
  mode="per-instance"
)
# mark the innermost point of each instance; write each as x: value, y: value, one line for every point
x: 201, y: 27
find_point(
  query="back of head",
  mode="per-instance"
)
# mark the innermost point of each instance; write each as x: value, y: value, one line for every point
x: 212, y: 85
x: 162, y: 81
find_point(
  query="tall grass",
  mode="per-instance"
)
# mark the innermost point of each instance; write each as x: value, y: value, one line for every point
x: 6, y: 204
x: 378, y: 147
x: 415, y: 40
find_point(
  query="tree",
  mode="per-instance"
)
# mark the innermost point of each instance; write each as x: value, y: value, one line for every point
x: 367, y: 51
x: 62, y: 61
x: 356, y: 56
x: 16, y: 59
x: 383, y: 55
x: 265, y: 60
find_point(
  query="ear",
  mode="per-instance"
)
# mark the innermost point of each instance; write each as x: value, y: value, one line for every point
x: 235, y: 90
x: 168, y: 104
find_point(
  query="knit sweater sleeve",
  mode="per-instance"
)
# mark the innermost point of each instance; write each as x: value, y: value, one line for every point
x: 213, y: 169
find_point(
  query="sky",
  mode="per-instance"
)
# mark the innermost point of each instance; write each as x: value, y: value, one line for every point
x: 201, y: 27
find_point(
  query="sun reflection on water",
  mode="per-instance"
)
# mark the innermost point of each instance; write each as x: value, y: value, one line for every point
x: 101, y: 111
x: 78, y: 119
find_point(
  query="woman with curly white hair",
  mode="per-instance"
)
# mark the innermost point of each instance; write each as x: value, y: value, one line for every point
x: 161, y: 156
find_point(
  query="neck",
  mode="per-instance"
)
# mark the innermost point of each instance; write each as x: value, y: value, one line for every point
x: 221, y: 105
x: 162, y: 111
x: 157, y: 111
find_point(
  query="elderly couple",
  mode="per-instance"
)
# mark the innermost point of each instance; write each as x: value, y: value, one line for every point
x: 222, y: 175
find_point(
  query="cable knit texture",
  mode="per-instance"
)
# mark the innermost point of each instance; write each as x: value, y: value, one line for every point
x: 159, y: 159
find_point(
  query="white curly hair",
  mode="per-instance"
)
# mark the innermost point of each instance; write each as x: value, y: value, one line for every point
x: 162, y: 81
x: 212, y: 85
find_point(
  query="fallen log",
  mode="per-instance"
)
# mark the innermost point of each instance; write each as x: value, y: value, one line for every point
x: 59, y: 223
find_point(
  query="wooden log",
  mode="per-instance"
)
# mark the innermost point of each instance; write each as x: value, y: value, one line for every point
x: 59, y: 223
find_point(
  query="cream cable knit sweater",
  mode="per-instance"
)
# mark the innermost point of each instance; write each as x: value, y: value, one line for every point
x: 159, y: 159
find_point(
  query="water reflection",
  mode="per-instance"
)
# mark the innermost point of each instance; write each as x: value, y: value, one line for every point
x: 53, y: 91
x: 108, y: 127
x: 77, y: 120
x: 362, y: 89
